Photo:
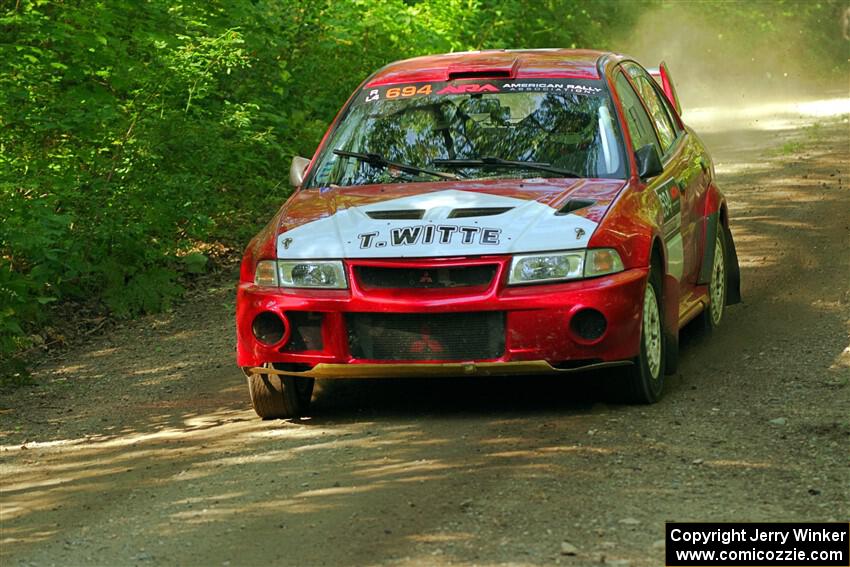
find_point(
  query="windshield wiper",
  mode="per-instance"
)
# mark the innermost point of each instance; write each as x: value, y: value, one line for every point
x: 499, y: 162
x: 377, y: 160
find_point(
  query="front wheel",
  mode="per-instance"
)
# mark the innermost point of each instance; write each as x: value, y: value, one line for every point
x: 643, y: 383
x: 280, y: 397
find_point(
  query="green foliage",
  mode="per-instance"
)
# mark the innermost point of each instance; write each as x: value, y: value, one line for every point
x: 131, y: 133
x: 195, y: 263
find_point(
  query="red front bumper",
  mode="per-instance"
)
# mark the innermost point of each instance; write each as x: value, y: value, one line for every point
x: 537, y: 317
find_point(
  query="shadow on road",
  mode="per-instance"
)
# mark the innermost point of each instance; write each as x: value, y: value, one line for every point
x: 142, y: 448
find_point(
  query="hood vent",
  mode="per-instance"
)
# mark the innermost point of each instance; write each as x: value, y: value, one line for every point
x: 574, y: 205
x: 478, y: 212
x: 407, y: 214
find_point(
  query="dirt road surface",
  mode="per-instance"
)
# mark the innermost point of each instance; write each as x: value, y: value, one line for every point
x: 140, y: 447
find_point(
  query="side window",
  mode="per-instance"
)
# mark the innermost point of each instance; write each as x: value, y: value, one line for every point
x: 652, y: 98
x: 640, y: 126
x: 669, y: 107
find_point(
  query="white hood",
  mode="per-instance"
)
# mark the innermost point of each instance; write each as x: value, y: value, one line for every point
x: 526, y: 226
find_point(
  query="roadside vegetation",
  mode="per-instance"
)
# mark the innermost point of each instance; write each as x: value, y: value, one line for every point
x: 141, y: 141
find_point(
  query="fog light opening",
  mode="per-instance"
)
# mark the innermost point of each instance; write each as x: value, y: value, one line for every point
x: 269, y: 328
x: 589, y: 324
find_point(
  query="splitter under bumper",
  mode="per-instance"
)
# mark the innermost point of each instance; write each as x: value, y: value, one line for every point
x: 432, y: 370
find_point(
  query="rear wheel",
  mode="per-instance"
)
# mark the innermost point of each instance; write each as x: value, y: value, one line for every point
x: 279, y: 397
x: 717, y: 287
x: 643, y: 383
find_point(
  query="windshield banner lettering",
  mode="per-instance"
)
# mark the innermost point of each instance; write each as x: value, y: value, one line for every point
x: 414, y: 90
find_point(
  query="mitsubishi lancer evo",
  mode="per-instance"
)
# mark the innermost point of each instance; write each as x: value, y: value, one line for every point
x: 490, y: 213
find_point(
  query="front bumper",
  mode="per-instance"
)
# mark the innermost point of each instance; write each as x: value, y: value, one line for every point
x: 538, y: 336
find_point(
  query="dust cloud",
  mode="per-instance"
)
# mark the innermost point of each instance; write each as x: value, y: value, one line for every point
x: 730, y: 64
x: 734, y: 77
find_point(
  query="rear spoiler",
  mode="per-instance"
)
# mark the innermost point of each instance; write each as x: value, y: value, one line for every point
x: 661, y: 74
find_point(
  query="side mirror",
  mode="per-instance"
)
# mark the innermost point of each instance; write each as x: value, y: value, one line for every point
x: 297, y: 169
x: 648, y: 162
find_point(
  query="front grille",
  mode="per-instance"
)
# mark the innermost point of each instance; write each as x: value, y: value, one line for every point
x: 400, y: 278
x: 417, y: 336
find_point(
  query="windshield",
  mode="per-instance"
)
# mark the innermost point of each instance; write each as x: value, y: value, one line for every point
x: 473, y: 130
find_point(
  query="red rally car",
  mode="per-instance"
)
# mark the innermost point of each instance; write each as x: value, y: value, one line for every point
x: 486, y: 213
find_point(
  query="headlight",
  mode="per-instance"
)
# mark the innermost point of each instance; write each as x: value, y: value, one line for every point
x: 546, y: 267
x: 559, y: 266
x: 328, y: 274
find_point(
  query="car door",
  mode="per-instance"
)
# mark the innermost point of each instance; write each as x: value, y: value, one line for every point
x: 679, y: 155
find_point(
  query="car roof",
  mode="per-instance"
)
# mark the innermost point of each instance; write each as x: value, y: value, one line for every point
x: 519, y: 64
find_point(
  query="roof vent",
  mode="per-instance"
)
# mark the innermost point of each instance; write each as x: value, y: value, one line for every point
x: 486, y: 68
x: 407, y: 214
x: 478, y: 212
x: 480, y: 74
x: 574, y: 205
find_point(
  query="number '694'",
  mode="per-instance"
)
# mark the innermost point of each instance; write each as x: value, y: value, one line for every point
x: 409, y: 90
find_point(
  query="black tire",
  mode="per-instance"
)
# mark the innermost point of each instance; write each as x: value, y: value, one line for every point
x: 643, y: 382
x: 718, y: 286
x: 280, y: 397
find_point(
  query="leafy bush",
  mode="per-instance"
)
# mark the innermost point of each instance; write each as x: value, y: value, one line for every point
x: 133, y: 132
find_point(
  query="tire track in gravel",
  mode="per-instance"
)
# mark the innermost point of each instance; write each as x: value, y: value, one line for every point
x: 140, y: 447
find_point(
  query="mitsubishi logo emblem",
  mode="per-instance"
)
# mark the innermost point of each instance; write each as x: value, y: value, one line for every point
x: 426, y: 344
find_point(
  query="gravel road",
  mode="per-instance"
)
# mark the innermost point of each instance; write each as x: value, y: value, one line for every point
x: 140, y: 448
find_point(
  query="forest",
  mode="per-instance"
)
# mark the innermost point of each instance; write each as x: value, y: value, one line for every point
x: 143, y: 142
